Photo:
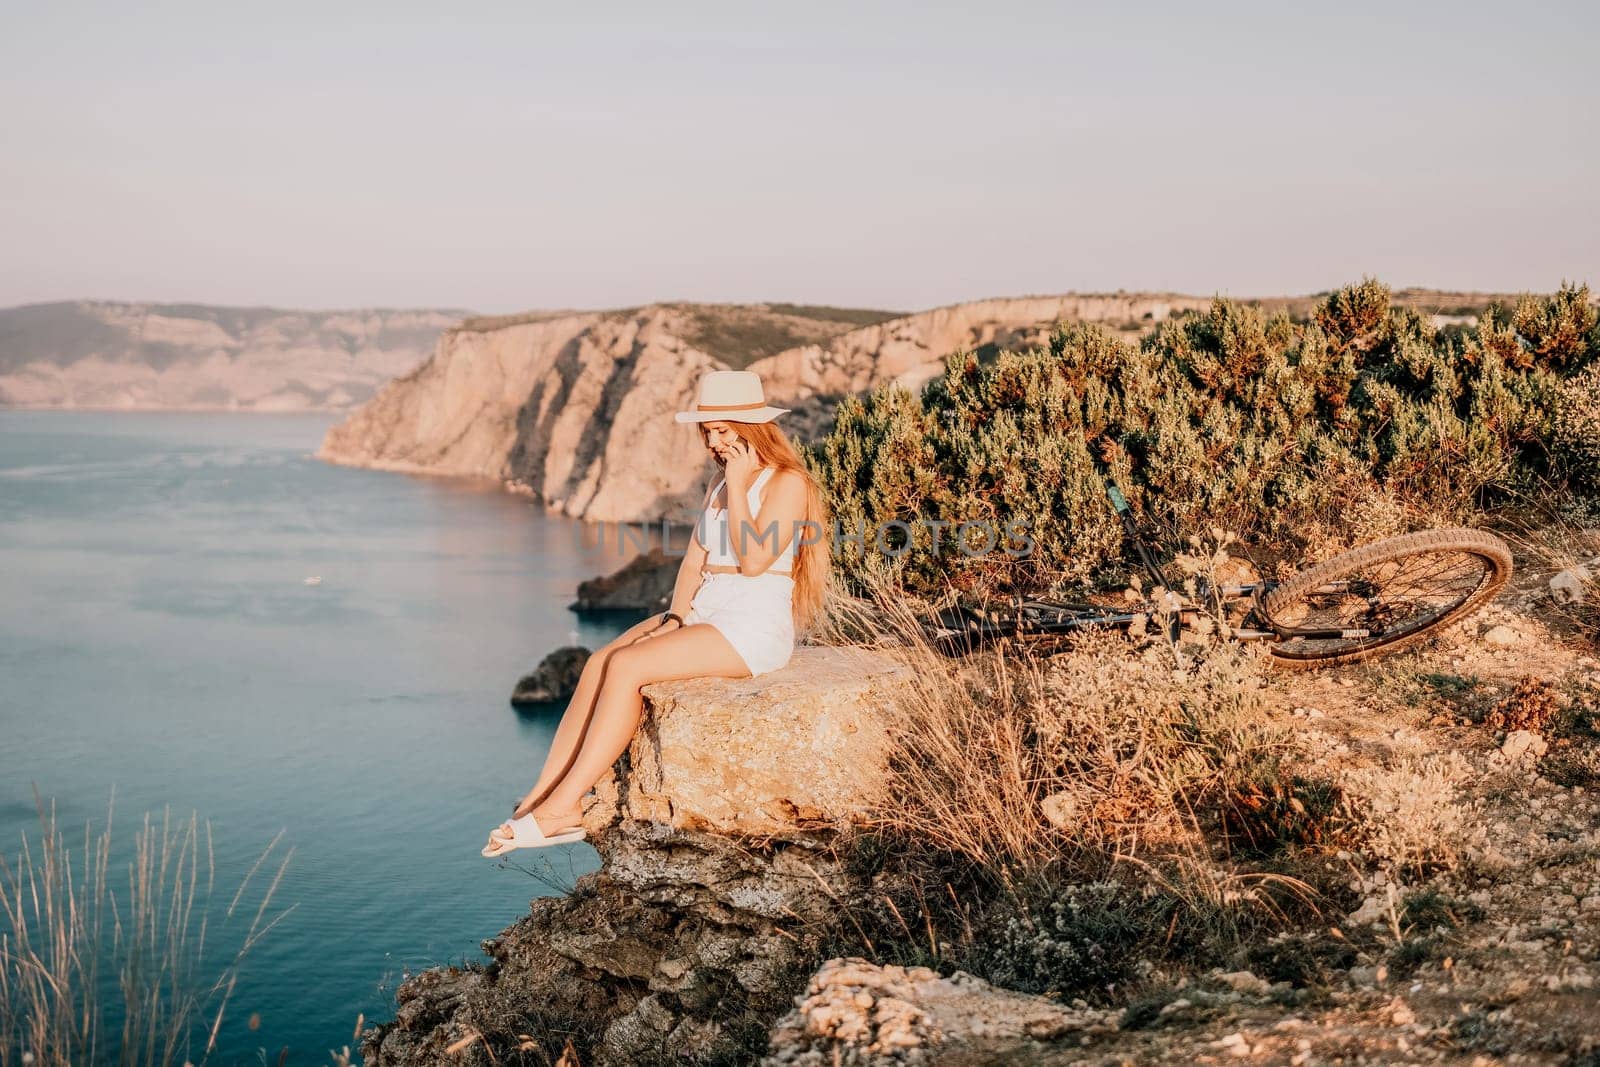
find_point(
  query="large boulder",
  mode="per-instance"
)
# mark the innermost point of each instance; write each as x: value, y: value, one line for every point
x: 798, y: 750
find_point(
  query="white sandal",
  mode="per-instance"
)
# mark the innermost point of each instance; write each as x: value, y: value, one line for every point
x: 525, y: 833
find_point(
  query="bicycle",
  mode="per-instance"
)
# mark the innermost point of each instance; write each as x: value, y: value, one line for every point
x: 1367, y: 602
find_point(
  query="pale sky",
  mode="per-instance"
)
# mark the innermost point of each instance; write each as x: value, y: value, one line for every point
x: 505, y: 156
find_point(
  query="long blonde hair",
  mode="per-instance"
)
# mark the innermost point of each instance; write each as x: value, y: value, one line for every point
x: 811, y: 561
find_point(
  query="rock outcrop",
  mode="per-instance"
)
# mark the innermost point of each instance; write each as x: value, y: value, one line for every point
x: 575, y: 409
x: 97, y: 354
x: 685, y: 942
x: 642, y: 584
x: 554, y: 680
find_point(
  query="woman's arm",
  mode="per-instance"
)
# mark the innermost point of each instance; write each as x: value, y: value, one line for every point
x: 688, y: 575
x: 688, y: 580
x: 758, y: 540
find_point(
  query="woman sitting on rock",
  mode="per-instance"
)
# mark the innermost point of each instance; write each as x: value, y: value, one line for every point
x: 753, y: 576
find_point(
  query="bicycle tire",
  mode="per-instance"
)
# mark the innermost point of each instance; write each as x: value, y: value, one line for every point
x: 1484, y: 568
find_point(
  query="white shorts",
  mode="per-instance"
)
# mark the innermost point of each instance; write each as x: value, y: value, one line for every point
x: 754, y: 612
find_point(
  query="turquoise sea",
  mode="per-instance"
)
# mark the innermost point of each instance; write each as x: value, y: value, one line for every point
x: 160, y: 644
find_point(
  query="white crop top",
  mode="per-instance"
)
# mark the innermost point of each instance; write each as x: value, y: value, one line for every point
x: 718, y: 540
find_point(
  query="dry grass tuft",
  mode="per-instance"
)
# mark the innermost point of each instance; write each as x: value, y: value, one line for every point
x: 88, y: 974
x: 1567, y: 538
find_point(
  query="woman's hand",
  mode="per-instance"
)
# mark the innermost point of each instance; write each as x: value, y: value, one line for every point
x: 739, y: 469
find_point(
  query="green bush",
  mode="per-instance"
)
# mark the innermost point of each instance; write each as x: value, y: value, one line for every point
x: 1276, y: 429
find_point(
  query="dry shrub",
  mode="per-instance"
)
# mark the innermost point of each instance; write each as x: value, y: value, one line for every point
x: 1370, y: 514
x: 1529, y: 706
x: 1076, y: 942
x: 881, y: 619
x: 1128, y: 747
x: 1275, y: 808
x: 961, y: 776
x: 1411, y: 817
x: 1011, y: 755
x: 1056, y: 814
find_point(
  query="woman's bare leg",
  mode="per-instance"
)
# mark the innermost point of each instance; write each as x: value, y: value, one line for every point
x: 569, y: 734
x: 696, y: 651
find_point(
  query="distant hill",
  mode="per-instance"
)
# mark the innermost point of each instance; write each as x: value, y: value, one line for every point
x: 98, y: 354
x: 735, y: 334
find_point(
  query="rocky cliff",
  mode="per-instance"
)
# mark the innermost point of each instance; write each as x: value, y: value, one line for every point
x: 1438, y: 901
x: 716, y: 887
x: 575, y: 409
x: 721, y: 887
x: 94, y: 354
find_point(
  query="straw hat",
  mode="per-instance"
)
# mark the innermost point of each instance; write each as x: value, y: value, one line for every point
x: 732, y: 396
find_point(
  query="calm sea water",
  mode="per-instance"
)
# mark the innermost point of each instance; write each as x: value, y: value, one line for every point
x: 158, y: 640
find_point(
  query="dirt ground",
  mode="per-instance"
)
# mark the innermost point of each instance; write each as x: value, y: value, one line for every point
x: 1502, y: 970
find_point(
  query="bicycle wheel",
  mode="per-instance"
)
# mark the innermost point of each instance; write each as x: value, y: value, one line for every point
x: 1383, y: 597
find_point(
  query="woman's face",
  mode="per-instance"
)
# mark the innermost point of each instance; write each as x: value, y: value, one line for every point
x: 720, y: 436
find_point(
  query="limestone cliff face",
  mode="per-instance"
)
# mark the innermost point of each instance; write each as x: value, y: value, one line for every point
x: 575, y: 409
x: 95, y: 354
